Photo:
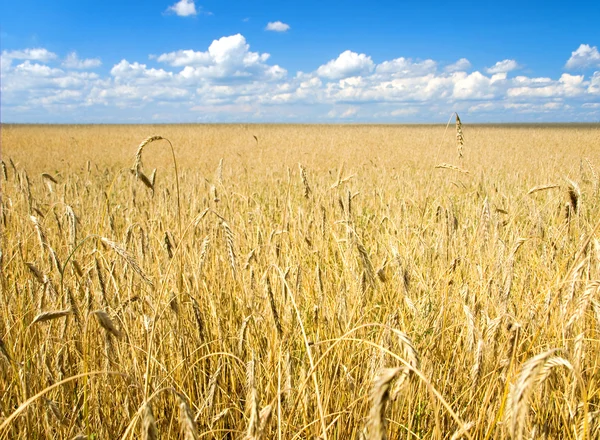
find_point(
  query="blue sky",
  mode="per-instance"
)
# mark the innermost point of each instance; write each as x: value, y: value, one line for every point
x: 69, y: 61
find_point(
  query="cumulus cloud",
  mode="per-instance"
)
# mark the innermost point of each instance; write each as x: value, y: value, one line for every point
x: 72, y: 61
x: 277, y: 26
x: 566, y: 86
x: 228, y: 57
x: 187, y: 57
x: 347, y: 64
x: 37, y: 54
x: 183, y: 8
x: 405, y: 67
x: 584, y: 56
x: 35, y: 69
x: 503, y: 67
x: 124, y: 71
x: 474, y: 86
x: 459, y: 66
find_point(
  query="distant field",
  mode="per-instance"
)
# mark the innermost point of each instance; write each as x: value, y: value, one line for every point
x: 300, y: 282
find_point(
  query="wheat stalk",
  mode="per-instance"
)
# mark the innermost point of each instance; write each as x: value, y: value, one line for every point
x: 137, y: 166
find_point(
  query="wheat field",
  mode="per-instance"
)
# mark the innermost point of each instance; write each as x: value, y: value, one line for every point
x: 300, y: 282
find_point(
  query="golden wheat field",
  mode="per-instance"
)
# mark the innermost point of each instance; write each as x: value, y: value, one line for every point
x: 300, y: 282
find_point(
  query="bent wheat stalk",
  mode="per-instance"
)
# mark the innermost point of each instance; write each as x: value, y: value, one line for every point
x: 534, y: 371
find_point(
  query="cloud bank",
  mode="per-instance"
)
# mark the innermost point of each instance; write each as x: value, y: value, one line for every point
x: 228, y: 81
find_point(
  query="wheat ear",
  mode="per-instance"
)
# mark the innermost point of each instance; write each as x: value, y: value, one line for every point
x: 448, y: 166
x: 535, y: 370
x: 186, y: 419
x: 376, y: 425
x: 106, y: 323
x: 50, y: 315
x: 149, y: 430
x: 460, y: 139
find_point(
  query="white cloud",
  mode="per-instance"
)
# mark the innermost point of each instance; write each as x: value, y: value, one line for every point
x: 347, y: 64
x: 594, y: 87
x: 526, y: 81
x: 473, y: 86
x: 227, y: 81
x: 460, y: 66
x: 584, y: 56
x: 277, y: 26
x: 343, y: 113
x: 350, y: 112
x: 566, y: 86
x: 186, y: 57
x: 37, y: 70
x: 183, y: 8
x: 482, y: 107
x: 406, y: 68
x: 72, y: 61
x: 503, y: 67
x: 404, y: 111
x: 530, y: 108
x: 125, y: 71
x: 37, y: 54
x: 227, y: 57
